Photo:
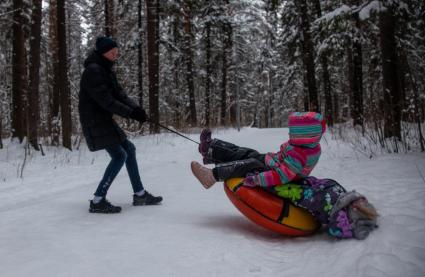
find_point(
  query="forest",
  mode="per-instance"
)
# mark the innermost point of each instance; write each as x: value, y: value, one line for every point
x: 219, y: 63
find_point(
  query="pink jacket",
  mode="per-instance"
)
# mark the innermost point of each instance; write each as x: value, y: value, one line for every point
x: 299, y: 155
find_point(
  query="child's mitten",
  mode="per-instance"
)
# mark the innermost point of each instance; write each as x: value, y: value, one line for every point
x: 251, y: 180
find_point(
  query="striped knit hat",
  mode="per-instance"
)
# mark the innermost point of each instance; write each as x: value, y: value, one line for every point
x: 305, y: 128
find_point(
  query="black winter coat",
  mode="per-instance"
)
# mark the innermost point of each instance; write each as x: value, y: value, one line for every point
x: 100, y: 97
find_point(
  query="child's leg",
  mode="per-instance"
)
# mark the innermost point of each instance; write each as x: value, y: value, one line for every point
x: 221, y: 151
x: 239, y: 168
x: 224, y: 171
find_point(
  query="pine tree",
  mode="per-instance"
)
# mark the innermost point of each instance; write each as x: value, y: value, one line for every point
x: 308, y: 56
x: 226, y: 52
x: 188, y: 37
x: 64, y: 92
x: 140, y: 52
x: 327, y: 88
x: 153, y: 63
x: 109, y: 18
x: 34, y: 76
x: 19, y: 74
x: 208, y: 71
x: 391, y: 86
x: 54, y: 120
x: 355, y: 58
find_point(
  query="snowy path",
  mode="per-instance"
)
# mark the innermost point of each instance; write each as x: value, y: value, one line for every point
x: 45, y: 229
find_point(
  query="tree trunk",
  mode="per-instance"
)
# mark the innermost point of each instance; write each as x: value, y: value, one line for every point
x: 64, y: 91
x: 34, y: 76
x: 231, y: 86
x: 153, y: 64
x: 416, y: 110
x: 176, y: 76
x: 335, y: 103
x: 392, y: 94
x: 1, y: 133
x: 19, y: 72
x: 327, y: 89
x: 189, y: 61
x: 109, y: 18
x: 54, y: 126
x: 225, y: 64
x: 355, y: 80
x: 308, y: 56
x: 417, y: 119
x: 404, y: 84
x: 208, y: 79
x: 140, y: 53
x: 305, y: 92
x: 357, y: 74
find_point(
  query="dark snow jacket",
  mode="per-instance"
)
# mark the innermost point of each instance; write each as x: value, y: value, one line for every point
x: 100, y: 97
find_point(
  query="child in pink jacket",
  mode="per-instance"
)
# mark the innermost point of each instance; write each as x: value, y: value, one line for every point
x: 285, y: 173
x: 294, y: 161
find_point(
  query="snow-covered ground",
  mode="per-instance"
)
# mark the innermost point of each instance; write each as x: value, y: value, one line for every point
x: 46, y: 230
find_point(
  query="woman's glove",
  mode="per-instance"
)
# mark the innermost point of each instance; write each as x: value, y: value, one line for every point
x: 251, y: 180
x: 138, y: 114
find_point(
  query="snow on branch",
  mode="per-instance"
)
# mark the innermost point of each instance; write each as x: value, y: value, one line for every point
x: 343, y: 10
x: 364, y: 11
x: 374, y: 6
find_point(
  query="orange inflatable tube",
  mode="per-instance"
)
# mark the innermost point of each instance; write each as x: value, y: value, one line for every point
x: 269, y: 211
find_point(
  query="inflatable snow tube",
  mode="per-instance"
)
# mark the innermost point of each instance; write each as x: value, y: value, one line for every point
x: 269, y: 211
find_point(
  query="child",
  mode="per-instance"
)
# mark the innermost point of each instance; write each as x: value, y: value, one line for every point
x: 294, y: 161
x: 346, y: 214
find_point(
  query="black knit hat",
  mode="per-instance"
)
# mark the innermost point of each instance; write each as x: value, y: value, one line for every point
x: 104, y: 44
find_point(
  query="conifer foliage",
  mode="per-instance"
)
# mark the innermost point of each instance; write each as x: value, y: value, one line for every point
x: 218, y: 63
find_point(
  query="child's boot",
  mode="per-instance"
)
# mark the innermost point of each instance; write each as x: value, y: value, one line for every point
x: 205, y: 139
x: 203, y: 174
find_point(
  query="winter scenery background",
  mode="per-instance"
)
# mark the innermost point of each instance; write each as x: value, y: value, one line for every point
x: 220, y: 64
x: 46, y: 230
